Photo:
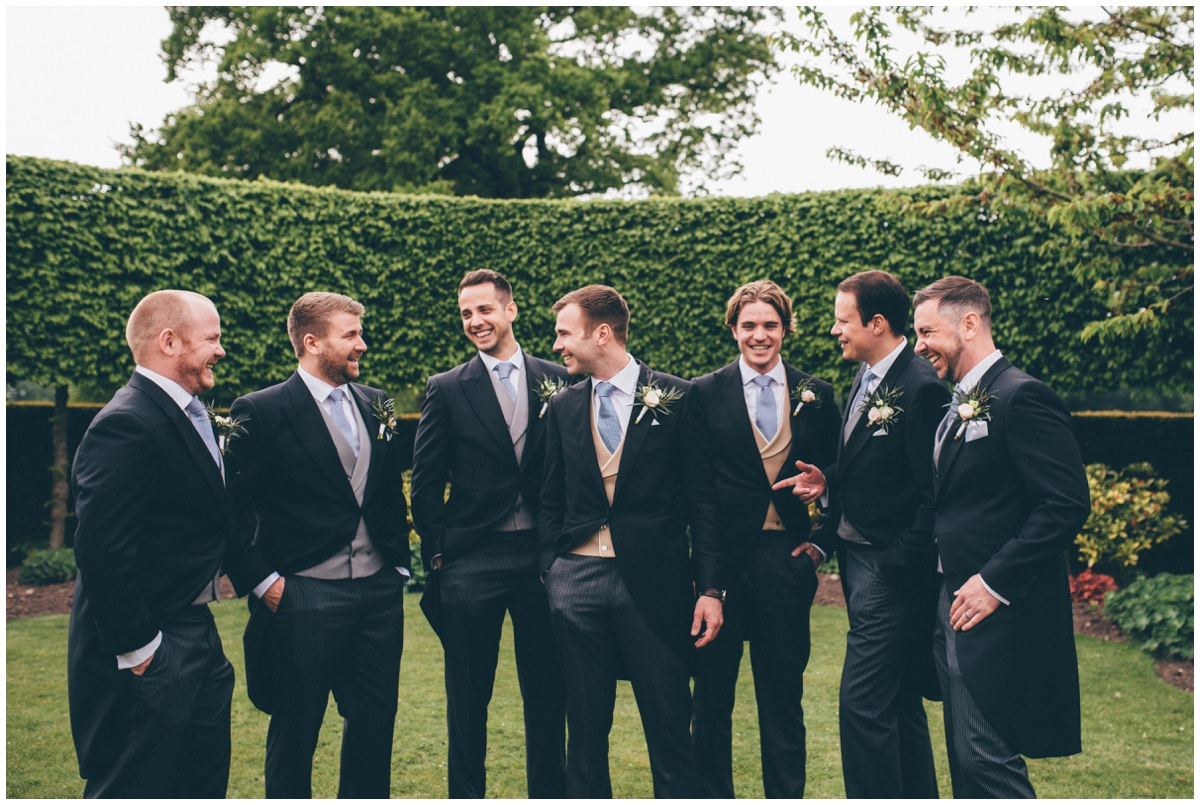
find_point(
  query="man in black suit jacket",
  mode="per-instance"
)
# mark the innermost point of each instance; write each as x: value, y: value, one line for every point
x: 757, y: 435
x: 1010, y: 496
x: 149, y: 686
x: 624, y: 477
x: 880, y: 520
x: 481, y: 430
x: 316, y: 483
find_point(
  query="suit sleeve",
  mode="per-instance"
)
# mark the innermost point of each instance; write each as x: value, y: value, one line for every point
x: 432, y: 450
x: 1050, y: 468
x: 244, y: 475
x: 820, y: 450
x: 115, y: 473
x: 700, y: 491
x: 928, y: 407
x: 552, y: 505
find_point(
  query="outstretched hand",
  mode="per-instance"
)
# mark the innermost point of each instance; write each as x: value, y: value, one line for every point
x: 809, y: 485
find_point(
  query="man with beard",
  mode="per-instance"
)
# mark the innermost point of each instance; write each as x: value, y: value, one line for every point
x: 1010, y: 495
x: 316, y: 482
x: 481, y: 429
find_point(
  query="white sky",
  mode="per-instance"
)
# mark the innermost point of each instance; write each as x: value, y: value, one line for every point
x: 78, y: 76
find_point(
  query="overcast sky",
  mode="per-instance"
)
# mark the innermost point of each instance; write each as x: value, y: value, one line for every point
x: 78, y: 76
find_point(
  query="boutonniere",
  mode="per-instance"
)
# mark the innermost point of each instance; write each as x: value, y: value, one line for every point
x: 804, y: 394
x: 225, y: 427
x: 970, y: 406
x: 547, y: 389
x: 880, y: 407
x: 384, y: 412
x: 651, y: 396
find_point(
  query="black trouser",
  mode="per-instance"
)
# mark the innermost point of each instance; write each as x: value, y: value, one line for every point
x: 343, y: 636
x: 500, y: 574
x: 886, y: 751
x: 768, y: 605
x: 178, y: 742
x: 599, y: 629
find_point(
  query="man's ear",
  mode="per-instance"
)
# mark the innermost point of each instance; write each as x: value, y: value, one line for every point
x: 969, y: 325
x: 603, y: 334
x: 168, y: 341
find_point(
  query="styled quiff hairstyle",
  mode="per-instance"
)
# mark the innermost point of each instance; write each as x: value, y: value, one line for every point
x: 311, y: 314
x: 878, y: 293
x: 761, y: 291
x: 158, y: 311
x: 956, y: 297
x: 504, y: 290
x: 600, y: 305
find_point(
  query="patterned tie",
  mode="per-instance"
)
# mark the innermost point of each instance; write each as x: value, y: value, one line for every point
x: 199, y: 418
x: 504, y: 369
x: 942, y: 432
x: 863, y: 390
x: 339, y: 418
x: 765, y: 415
x: 607, y: 423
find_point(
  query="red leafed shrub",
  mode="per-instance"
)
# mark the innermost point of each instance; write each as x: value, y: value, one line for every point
x: 1089, y: 586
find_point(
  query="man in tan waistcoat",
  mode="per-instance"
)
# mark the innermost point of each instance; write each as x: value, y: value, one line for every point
x: 625, y: 476
x: 764, y: 421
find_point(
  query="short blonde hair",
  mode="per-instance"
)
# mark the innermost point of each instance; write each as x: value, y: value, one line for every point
x: 158, y: 311
x: 761, y: 291
x: 311, y: 312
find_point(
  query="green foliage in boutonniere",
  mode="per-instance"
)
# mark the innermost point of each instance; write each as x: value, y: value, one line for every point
x: 805, y: 394
x: 547, y: 388
x: 881, y: 409
x: 652, y: 397
x: 225, y: 427
x: 384, y: 412
x: 970, y: 406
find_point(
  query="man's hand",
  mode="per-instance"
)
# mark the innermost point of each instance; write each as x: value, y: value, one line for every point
x: 710, y: 612
x: 809, y: 485
x: 273, y: 594
x: 814, y: 553
x: 141, y: 667
x: 436, y: 562
x: 972, y: 603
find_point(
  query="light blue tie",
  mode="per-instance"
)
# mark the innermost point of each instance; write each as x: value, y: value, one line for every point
x: 199, y: 418
x: 339, y: 418
x: 766, y: 417
x: 504, y: 369
x: 863, y: 390
x: 607, y: 423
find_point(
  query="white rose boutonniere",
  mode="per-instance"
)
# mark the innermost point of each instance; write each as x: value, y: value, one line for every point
x: 654, y: 398
x: 881, y: 408
x: 226, y: 428
x: 547, y: 389
x: 804, y: 394
x: 385, y: 414
x: 970, y: 406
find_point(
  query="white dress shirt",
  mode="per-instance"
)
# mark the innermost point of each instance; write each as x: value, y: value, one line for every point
x: 625, y: 387
x: 778, y: 386
x: 880, y: 369
x: 517, y: 360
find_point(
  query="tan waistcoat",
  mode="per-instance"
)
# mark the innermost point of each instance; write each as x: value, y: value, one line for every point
x: 600, y: 543
x: 774, y: 453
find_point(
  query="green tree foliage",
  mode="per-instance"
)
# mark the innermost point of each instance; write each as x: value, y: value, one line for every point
x: 498, y: 102
x: 1073, y: 75
x: 84, y: 244
x: 1130, y: 515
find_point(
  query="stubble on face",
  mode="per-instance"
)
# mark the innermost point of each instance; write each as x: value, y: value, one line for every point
x: 938, y: 341
x: 339, y: 350
x: 200, y: 340
x: 487, y: 320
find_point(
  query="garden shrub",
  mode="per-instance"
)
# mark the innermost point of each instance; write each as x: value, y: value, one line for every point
x: 1158, y: 613
x: 48, y: 567
x: 1128, y: 516
x: 1090, y: 587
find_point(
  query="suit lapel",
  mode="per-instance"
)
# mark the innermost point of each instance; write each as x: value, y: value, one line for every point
x: 799, y: 420
x: 534, y: 375
x: 307, y: 421
x: 482, y: 398
x: 733, y: 398
x: 372, y: 429
x: 951, y: 447
x: 861, y: 435
x: 635, y: 434
x: 576, y: 430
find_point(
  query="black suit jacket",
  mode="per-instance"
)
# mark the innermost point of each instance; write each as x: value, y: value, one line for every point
x: 462, y: 438
x: 1008, y: 506
x: 290, y: 494
x: 154, y: 528
x: 743, y: 490
x: 884, y: 484
x: 663, y: 487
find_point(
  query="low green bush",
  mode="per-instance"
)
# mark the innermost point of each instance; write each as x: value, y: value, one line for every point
x: 48, y: 567
x: 15, y: 552
x: 1129, y: 516
x: 1158, y: 613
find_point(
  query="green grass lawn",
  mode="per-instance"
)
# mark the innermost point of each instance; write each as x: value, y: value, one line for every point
x: 1137, y: 730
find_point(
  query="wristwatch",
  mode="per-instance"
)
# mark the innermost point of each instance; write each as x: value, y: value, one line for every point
x: 713, y: 592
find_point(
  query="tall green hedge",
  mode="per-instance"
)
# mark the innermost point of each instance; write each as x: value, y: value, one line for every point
x: 84, y: 244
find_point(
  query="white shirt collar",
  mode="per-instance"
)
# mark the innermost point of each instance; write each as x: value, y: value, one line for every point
x: 176, y: 392
x: 880, y: 369
x: 777, y: 372
x: 318, y: 387
x: 978, y: 371
x: 517, y: 360
x: 626, y: 379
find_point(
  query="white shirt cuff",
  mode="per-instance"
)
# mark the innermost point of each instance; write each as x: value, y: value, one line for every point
x: 823, y: 501
x: 403, y: 571
x: 135, y: 658
x: 994, y: 594
x: 265, y: 585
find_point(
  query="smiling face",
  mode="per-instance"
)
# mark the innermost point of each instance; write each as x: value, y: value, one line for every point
x: 334, y: 356
x: 199, y: 348
x: 939, y: 340
x: 487, y: 320
x: 578, y: 348
x: 759, y: 333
